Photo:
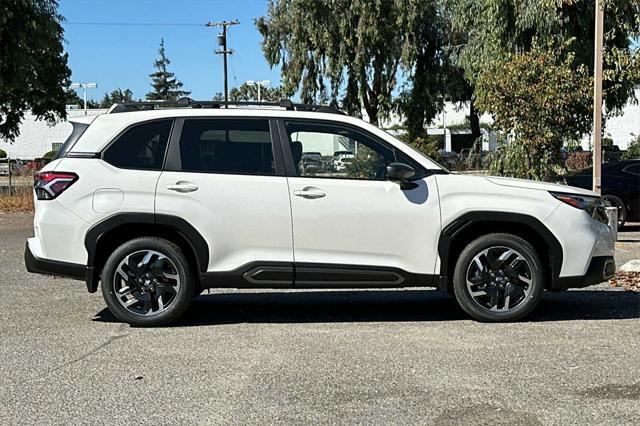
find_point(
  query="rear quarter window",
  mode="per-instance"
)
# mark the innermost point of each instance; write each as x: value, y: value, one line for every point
x: 141, y: 147
x: 78, y: 130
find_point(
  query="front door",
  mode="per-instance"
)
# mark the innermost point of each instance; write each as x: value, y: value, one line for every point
x: 222, y: 178
x: 347, y: 216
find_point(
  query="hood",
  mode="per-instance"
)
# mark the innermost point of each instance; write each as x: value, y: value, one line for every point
x: 541, y: 186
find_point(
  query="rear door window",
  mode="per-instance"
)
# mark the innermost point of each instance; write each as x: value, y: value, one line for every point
x: 234, y: 146
x: 142, y: 147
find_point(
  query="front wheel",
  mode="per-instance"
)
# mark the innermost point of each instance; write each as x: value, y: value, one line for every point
x: 498, y: 277
x: 147, y: 282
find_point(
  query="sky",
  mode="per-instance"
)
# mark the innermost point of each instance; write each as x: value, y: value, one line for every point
x: 121, y: 56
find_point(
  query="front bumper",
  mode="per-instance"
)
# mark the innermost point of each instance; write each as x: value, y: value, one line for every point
x: 57, y: 268
x: 600, y: 269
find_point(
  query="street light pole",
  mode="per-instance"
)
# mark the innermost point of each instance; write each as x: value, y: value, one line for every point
x: 85, y: 86
x: 597, y: 99
x: 259, y: 83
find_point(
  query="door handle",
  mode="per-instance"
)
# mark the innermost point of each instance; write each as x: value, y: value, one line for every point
x: 309, y: 192
x: 183, y: 187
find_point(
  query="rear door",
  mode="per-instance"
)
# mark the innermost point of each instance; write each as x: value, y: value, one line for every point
x: 224, y: 177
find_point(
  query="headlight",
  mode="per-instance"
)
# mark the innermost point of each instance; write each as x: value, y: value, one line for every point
x: 592, y: 205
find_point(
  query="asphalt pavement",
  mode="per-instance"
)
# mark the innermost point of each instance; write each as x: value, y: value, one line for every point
x: 339, y: 357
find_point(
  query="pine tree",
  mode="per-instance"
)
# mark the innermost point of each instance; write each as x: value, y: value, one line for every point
x: 165, y: 85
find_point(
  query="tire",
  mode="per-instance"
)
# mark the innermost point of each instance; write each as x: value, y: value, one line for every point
x: 616, y: 201
x: 154, y: 293
x: 514, y: 286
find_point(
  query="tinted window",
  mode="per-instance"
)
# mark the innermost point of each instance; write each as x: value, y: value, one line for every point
x: 340, y: 152
x: 227, y: 146
x: 141, y: 147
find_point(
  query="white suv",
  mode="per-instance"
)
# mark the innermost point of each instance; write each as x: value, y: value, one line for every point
x: 158, y: 205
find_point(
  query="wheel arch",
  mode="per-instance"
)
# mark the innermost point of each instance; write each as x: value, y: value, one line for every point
x: 466, y: 228
x: 102, y: 238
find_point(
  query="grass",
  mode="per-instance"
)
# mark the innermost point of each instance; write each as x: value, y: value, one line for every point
x: 21, y: 201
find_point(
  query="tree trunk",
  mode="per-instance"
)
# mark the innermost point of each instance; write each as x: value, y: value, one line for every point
x: 474, y: 120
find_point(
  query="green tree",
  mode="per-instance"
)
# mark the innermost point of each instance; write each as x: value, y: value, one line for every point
x: 430, y: 63
x: 539, y: 99
x: 72, y: 98
x: 353, y: 52
x: 33, y: 65
x: 354, y: 46
x: 3, y: 153
x: 495, y: 29
x: 248, y: 92
x: 115, y: 97
x: 165, y: 85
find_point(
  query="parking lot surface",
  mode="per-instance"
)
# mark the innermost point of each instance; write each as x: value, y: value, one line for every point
x: 256, y: 357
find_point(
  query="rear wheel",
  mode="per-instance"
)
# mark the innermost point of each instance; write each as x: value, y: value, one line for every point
x: 498, y: 277
x: 618, y: 203
x: 147, y: 282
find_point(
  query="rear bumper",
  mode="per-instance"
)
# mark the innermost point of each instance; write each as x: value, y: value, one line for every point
x: 74, y: 271
x: 600, y: 269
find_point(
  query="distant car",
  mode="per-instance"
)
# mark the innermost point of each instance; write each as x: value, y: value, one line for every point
x: 36, y: 164
x: 16, y: 166
x: 311, y: 161
x: 341, y: 159
x: 620, y: 187
x: 449, y: 159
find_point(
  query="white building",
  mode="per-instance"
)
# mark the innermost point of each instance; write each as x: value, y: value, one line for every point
x: 38, y: 137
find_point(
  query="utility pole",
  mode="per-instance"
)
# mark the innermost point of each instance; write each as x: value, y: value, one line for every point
x: 222, y: 41
x: 597, y: 99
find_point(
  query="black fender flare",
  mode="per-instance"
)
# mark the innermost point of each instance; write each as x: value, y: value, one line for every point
x: 195, y: 240
x: 458, y: 226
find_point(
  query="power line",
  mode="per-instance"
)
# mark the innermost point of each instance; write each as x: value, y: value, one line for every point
x: 137, y: 24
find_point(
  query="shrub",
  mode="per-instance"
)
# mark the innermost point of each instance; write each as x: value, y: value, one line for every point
x: 578, y: 161
x: 428, y: 145
x: 3, y: 153
x: 633, y: 152
x: 49, y: 155
x: 539, y: 99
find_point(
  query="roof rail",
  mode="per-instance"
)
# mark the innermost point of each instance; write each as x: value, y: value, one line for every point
x: 188, y: 102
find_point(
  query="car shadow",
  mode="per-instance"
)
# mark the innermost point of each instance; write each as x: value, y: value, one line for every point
x: 385, y: 306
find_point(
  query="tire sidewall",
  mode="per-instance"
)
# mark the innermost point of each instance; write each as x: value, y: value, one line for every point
x: 466, y: 257
x: 173, y: 252
x: 619, y: 202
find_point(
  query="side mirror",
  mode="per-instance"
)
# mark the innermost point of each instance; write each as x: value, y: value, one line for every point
x: 400, y: 172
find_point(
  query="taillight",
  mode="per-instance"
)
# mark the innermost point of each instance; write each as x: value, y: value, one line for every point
x: 48, y: 185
